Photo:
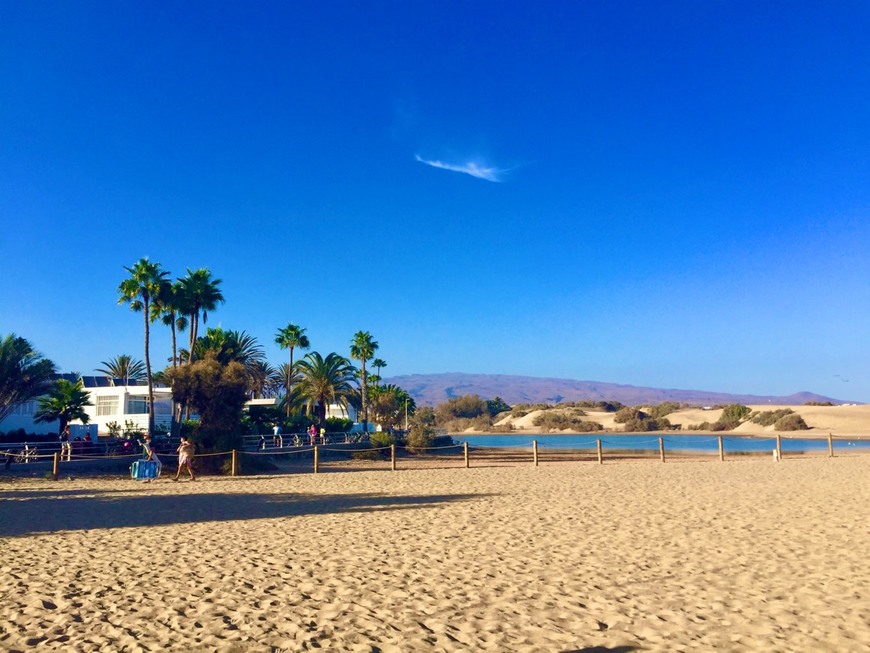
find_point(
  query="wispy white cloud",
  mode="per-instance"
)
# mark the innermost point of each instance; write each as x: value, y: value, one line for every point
x: 469, y: 168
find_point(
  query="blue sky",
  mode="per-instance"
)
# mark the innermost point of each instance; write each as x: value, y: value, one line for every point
x: 671, y: 194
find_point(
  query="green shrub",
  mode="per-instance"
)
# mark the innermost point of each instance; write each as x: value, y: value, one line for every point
x: 381, y: 439
x: 564, y: 421
x: 665, y: 408
x: 770, y: 417
x: 792, y: 422
x: 627, y: 414
x: 419, y: 438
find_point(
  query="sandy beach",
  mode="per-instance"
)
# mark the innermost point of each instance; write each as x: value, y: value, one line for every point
x: 748, y: 555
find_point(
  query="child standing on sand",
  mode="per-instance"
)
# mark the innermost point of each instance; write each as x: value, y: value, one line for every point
x: 185, y: 458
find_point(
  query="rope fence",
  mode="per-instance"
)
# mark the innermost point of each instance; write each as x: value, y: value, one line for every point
x: 358, y: 455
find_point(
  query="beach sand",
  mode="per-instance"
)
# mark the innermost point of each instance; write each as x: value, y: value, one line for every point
x: 745, y: 555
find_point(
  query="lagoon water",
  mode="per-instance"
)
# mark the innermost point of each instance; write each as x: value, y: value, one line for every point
x: 650, y: 442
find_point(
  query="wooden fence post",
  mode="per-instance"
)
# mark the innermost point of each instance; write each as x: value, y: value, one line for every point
x: 600, y: 458
x: 721, y: 449
x: 831, y: 445
x: 234, y: 468
x: 535, y: 451
x: 662, y: 449
x: 465, y: 452
x: 316, y: 459
x: 778, y: 447
x: 55, y: 465
x: 393, y: 457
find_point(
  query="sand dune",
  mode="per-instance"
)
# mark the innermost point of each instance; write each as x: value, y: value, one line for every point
x: 845, y: 420
x: 740, y: 556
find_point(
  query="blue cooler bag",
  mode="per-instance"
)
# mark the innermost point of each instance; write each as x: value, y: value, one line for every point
x: 145, y: 469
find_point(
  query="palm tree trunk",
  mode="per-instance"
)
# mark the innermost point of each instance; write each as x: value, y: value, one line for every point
x: 148, y: 370
x: 289, y: 381
x: 173, y: 425
x: 365, y: 406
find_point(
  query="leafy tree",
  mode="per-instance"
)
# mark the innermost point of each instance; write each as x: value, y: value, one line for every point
x: 362, y: 348
x: 388, y: 405
x: 496, y: 406
x: 325, y: 381
x: 123, y: 367
x: 291, y: 337
x: 199, y: 294
x: 24, y: 373
x: 217, y: 392
x: 64, y: 402
x: 138, y: 290
x: 464, y: 407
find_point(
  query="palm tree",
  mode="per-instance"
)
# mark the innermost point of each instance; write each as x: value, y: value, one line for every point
x: 171, y: 309
x: 24, y: 373
x: 378, y: 363
x: 229, y: 346
x: 138, y: 290
x: 65, y: 402
x: 362, y: 348
x: 123, y: 367
x: 290, y: 337
x: 325, y: 381
x: 200, y: 294
x: 263, y: 378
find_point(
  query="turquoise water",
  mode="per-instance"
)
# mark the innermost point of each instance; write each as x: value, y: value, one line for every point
x: 647, y: 442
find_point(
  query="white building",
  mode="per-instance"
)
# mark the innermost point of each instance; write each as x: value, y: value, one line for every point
x: 332, y: 410
x: 125, y: 405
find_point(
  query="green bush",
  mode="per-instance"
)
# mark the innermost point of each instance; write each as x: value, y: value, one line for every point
x: 419, y: 438
x: 563, y: 421
x: 381, y: 439
x: 665, y: 408
x: 770, y: 417
x: 626, y: 415
x: 792, y: 422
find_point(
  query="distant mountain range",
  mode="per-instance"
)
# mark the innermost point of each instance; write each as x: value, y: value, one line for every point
x: 433, y: 389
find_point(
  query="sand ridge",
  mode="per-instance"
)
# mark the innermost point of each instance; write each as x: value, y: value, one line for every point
x: 744, y: 556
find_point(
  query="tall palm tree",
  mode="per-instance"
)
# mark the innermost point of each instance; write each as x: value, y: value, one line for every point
x: 325, y: 381
x: 24, y: 373
x: 291, y: 337
x: 362, y: 348
x: 201, y: 294
x: 378, y: 363
x: 65, y: 402
x: 171, y: 309
x: 123, y: 367
x: 138, y: 290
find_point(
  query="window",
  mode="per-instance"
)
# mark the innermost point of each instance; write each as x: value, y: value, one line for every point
x: 107, y: 405
x: 137, y: 406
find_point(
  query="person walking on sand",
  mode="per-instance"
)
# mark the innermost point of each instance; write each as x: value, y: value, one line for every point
x: 148, y: 453
x: 65, y: 447
x: 185, y: 458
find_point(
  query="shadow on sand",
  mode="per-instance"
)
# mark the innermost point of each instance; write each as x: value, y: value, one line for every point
x: 26, y: 513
